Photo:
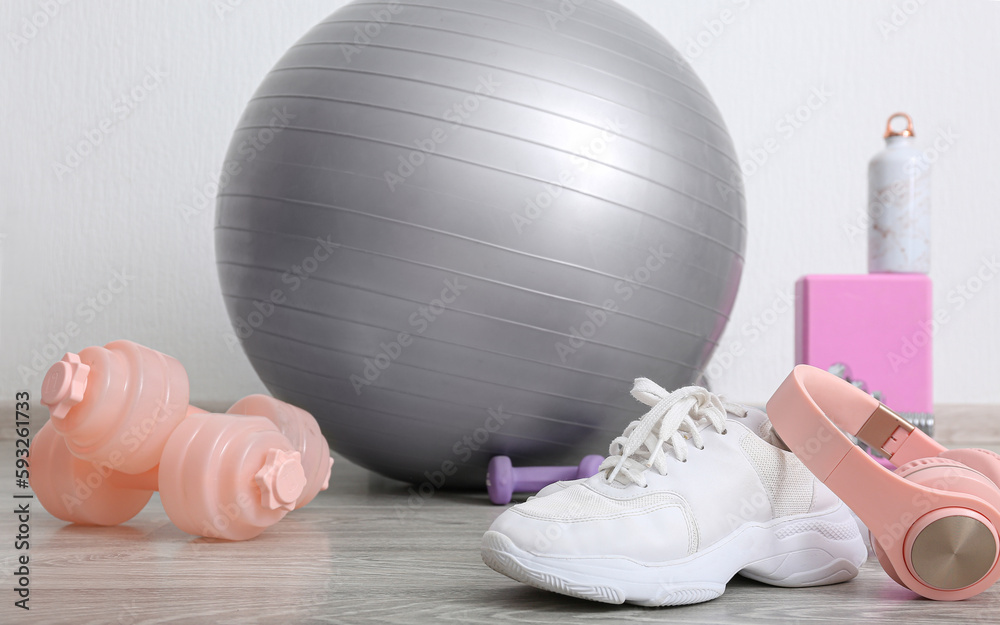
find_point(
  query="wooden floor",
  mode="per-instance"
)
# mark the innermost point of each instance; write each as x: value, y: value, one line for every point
x: 360, y: 554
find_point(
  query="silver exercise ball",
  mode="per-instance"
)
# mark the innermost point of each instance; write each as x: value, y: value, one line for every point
x: 453, y: 229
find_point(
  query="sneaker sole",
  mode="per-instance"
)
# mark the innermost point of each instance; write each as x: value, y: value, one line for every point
x: 806, y: 550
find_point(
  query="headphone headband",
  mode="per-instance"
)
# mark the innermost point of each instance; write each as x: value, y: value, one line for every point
x: 812, y: 406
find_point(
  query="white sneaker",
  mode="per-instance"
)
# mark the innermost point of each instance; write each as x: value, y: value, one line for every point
x: 663, y: 523
x: 556, y: 487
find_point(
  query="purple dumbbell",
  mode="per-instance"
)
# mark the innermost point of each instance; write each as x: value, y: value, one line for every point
x: 503, y: 480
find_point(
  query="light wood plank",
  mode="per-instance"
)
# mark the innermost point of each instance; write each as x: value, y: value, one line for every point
x: 358, y: 554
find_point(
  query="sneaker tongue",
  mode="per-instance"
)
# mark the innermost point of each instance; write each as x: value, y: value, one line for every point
x: 758, y: 423
x: 755, y: 419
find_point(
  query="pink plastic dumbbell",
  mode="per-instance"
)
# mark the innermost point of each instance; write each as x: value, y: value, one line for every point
x: 503, y: 480
x: 121, y: 428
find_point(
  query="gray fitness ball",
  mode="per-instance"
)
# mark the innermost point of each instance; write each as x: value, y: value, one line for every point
x: 453, y: 229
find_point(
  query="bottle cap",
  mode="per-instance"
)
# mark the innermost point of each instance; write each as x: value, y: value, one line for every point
x: 906, y: 132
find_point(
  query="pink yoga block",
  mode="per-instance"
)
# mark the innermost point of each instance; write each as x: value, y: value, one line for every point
x: 879, y: 325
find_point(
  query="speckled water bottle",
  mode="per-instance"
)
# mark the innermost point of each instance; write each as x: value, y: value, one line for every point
x: 899, y: 230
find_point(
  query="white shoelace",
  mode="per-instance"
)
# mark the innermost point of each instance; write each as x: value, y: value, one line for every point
x: 672, y: 419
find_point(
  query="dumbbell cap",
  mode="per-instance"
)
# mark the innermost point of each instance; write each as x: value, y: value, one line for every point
x: 281, y: 479
x: 326, y: 478
x: 500, y: 480
x: 64, y: 385
x: 301, y: 429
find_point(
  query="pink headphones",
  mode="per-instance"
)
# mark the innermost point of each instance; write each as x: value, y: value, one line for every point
x: 933, y: 520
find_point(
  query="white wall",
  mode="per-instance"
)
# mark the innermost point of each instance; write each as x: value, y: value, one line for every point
x: 120, y: 208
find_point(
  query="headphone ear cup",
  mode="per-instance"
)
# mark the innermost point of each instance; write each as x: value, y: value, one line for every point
x: 949, y: 549
x: 950, y: 475
x: 883, y: 559
x: 982, y: 460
